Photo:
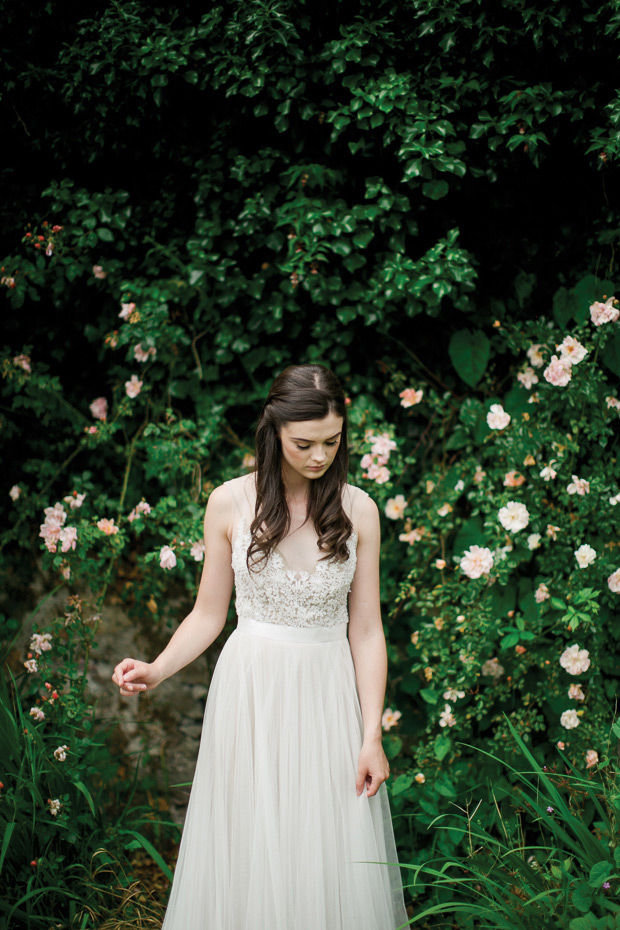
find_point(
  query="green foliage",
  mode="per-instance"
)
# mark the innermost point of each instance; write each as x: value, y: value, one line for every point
x: 60, y: 787
x: 542, y: 851
x: 411, y: 193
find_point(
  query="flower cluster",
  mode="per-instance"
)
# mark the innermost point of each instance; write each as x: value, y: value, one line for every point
x: 54, y: 532
x: 559, y: 369
x: 375, y: 461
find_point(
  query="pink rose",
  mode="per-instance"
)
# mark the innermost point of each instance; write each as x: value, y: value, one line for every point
x: 99, y: 408
x: 558, y: 372
x: 167, y: 558
x: 126, y: 310
x: 604, y: 313
x: 133, y: 387
x: 23, y: 361
x: 98, y: 272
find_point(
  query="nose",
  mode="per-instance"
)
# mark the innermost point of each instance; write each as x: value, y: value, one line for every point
x: 318, y: 457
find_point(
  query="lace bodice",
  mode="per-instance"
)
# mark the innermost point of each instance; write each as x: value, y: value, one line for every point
x: 295, y: 587
x: 275, y: 594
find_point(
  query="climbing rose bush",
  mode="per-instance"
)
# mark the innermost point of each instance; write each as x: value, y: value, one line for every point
x: 510, y: 534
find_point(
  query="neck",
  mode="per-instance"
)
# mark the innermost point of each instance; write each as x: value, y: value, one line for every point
x: 297, y: 488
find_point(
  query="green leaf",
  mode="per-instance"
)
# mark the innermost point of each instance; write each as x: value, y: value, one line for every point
x: 429, y: 695
x: 443, y: 745
x: 106, y: 235
x: 469, y: 352
x: 401, y: 784
x: 363, y: 237
x: 599, y: 873
x: 582, y: 897
x: 435, y: 190
x: 610, y: 354
x: 469, y: 534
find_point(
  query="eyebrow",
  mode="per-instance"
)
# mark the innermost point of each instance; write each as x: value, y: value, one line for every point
x: 298, y: 439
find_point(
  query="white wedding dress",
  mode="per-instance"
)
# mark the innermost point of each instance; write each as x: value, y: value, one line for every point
x: 275, y: 836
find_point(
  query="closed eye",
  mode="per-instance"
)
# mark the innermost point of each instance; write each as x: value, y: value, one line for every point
x: 334, y: 442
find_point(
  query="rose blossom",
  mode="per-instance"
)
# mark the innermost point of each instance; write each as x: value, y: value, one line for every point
x: 533, y: 541
x: 410, y: 397
x: 31, y: 666
x: 143, y: 355
x: 612, y: 401
x: 133, y: 387
x: 497, y: 418
x: 558, y: 372
x: 390, y: 718
x: 552, y: 531
x: 513, y: 479
x: 60, y: 754
x: 575, y: 692
x: 395, y: 507
x: 420, y: 778
x: 575, y: 660
x: 68, y: 538
x: 591, y: 758
x: 197, y: 551
x: 514, y: 516
x: 535, y: 355
x: 99, y: 408
x: 452, y: 694
x: 444, y: 510
x: 569, y: 719
x: 167, y: 558
x: 412, y: 536
x: 378, y: 473
x: 126, y: 310
x: 107, y: 526
x: 578, y: 486
x: 15, y: 492
x: 74, y: 500
x: 527, y: 377
x: 440, y: 564
x: 477, y: 561
x: 37, y: 713
x: 542, y: 593
x: 40, y: 642
x: 615, y: 499
x: 571, y: 351
x: 446, y: 717
x: 54, y: 806
x: 585, y: 555
x: 548, y: 472
x: 98, y: 272
x: 614, y: 581
x: 382, y: 444
x: 23, y: 361
x: 604, y: 312
x: 492, y: 668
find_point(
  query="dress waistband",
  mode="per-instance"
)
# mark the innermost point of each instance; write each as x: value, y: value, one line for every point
x: 292, y: 634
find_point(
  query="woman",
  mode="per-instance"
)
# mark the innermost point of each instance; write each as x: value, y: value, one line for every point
x: 288, y: 821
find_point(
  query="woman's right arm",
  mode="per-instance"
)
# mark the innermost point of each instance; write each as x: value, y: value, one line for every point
x: 208, y: 616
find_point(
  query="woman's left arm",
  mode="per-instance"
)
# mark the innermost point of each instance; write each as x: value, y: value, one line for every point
x: 367, y: 642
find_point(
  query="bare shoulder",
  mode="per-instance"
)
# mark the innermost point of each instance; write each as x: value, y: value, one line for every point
x: 362, y: 510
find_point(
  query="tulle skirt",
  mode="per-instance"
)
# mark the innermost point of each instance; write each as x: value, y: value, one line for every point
x: 275, y: 836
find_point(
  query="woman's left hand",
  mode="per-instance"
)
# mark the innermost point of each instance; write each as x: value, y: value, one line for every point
x: 372, y: 769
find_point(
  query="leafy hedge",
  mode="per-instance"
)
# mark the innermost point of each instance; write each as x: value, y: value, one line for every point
x: 414, y: 194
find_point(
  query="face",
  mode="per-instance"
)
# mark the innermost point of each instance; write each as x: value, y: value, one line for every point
x: 309, y: 446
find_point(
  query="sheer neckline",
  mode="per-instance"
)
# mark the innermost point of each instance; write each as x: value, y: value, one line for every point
x: 321, y: 565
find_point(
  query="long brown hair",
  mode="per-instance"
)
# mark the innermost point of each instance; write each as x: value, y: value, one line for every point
x: 300, y: 392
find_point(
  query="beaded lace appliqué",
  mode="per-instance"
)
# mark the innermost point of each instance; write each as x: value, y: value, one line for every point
x: 275, y: 594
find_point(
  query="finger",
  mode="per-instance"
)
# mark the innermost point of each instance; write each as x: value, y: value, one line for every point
x: 362, y: 774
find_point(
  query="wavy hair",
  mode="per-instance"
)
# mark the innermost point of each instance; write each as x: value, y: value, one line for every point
x: 300, y: 392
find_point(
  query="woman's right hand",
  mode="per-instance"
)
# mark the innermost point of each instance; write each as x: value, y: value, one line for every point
x: 134, y: 677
